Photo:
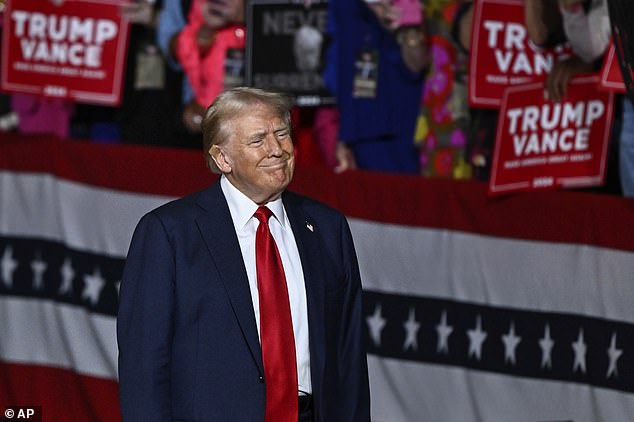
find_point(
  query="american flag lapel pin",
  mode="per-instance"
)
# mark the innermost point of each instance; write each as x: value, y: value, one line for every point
x: 310, y: 227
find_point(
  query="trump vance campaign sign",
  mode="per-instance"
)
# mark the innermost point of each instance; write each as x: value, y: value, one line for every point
x: 502, y: 54
x: 543, y: 144
x: 76, y: 50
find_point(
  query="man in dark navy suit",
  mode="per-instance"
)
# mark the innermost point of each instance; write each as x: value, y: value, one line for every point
x: 223, y: 318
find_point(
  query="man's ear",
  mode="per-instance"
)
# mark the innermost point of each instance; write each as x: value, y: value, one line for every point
x: 223, y: 162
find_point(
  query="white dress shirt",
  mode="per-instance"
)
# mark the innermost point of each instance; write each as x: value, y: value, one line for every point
x: 242, y: 209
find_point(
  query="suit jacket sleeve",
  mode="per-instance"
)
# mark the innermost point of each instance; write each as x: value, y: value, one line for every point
x: 144, y: 324
x: 353, y: 367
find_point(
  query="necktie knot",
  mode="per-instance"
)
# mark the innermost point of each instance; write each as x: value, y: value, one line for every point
x: 263, y: 214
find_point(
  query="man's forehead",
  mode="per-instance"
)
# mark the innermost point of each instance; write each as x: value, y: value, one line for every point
x: 262, y: 128
x: 250, y: 124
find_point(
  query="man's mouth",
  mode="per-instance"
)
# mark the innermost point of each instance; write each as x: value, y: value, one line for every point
x: 274, y: 166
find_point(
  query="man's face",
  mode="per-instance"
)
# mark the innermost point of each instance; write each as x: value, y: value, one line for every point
x: 258, y: 159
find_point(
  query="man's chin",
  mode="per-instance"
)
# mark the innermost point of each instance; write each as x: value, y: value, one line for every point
x: 281, y: 182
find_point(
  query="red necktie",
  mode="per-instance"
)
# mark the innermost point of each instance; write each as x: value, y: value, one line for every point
x: 276, y: 326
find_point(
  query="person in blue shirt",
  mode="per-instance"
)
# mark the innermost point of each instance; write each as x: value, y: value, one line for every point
x: 377, y: 113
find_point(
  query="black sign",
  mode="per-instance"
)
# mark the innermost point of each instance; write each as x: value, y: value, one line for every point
x: 286, y: 44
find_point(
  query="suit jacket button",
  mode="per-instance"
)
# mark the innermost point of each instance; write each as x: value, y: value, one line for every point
x: 261, y: 378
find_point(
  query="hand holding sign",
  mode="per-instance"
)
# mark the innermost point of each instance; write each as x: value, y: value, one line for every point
x: 501, y: 53
x: 561, y: 74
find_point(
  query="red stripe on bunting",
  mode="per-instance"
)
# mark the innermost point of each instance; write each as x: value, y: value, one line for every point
x: 82, y: 398
x: 160, y: 171
x: 556, y: 216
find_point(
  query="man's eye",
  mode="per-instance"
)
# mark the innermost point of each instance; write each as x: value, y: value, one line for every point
x: 282, y: 135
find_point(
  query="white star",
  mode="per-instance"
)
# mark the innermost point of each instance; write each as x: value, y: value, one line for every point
x: 68, y: 273
x: 579, y: 347
x: 614, y: 354
x: 93, y: 284
x: 8, y: 266
x: 411, y: 328
x: 444, y: 331
x: 510, y: 341
x: 39, y: 268
x: 476, y: 338
x: 546, y: 344
x: 376, y: 323
x: 117, y: 285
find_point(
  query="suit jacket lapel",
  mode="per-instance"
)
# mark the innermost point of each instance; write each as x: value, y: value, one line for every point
x: 217, y: 229
x: 309, y: 249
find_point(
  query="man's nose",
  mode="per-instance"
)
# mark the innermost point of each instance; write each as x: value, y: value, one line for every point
x: 273, y: 145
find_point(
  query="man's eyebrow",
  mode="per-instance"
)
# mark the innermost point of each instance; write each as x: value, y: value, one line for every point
x: 260, y: 133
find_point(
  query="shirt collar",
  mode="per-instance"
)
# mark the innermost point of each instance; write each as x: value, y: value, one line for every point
x: 242, y: 207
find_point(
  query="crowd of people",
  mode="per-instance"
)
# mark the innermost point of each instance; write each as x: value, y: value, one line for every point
x: 398, y: 71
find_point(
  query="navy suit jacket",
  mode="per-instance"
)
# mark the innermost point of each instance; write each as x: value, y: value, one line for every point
x: 188, y: 342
